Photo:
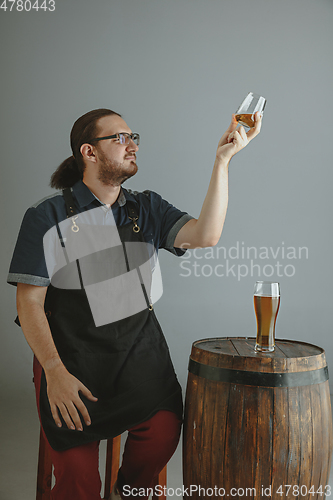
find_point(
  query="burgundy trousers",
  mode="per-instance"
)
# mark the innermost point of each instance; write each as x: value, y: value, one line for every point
x: 149, y: 446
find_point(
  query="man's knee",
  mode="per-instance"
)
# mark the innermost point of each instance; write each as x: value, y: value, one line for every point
x: 166, y: 427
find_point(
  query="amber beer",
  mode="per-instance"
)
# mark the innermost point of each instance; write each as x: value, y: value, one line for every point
x: 266, y: 309
x: 245, y: 112
x: 245, y: 119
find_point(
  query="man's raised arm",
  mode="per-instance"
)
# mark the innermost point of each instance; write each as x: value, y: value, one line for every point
x: 206, y: 230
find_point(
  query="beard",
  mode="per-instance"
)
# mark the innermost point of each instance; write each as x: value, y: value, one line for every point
x: 114, y: 173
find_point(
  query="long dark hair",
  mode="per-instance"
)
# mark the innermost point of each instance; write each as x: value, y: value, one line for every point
x: 84, y: 129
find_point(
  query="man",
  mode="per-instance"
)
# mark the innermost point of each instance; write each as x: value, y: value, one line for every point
x: 94, y: 379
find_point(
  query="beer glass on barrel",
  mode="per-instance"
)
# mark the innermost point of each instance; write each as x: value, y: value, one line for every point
x: 266, y: 306
x: 251, y: 104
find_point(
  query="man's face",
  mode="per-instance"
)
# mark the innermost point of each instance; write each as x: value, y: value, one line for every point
x: 115, y: 162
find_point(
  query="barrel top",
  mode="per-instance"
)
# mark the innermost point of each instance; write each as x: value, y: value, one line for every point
x: 238, y: 353
x: 244, y: 346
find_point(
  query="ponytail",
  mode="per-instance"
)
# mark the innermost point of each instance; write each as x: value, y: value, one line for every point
x: 66, y: 175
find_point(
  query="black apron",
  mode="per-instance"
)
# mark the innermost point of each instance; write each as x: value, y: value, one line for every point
x: 126, y: 364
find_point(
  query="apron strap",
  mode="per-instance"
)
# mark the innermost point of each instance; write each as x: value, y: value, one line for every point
x: 132, y: 214
x: 69, y: 200
x: 71, y: 212
x: 131, y: 209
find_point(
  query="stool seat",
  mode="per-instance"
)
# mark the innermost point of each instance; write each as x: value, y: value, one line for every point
x: 44, y: 472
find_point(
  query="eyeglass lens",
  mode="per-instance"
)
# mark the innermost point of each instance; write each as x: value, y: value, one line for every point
x: 125, y: 138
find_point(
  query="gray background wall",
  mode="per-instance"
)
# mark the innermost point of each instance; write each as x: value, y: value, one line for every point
x: 176, y: 70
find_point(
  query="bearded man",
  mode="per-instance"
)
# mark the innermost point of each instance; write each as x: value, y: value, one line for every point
x: 101, y: 364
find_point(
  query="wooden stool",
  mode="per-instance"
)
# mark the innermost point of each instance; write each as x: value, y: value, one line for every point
x: 44, y: 474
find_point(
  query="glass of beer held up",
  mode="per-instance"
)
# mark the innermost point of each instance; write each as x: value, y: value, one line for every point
x: 266, y: 306
x: 251, y: 104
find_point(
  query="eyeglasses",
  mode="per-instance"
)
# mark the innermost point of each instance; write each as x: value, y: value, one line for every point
x: 123, y: 138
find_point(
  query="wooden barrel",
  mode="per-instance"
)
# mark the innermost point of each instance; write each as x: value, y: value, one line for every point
x: 257, y: 425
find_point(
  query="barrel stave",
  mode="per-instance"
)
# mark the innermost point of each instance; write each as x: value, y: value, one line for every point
x: 218, y: 432
x: 326, y: 426
x: 210, y: 454
x: 264, y: 440
x: 233, y: 441
x: 293, y: 438
x: 322, y: 435
x: 192, y: 428
x: 279, y: 439
x: 306, y: 437
x: 248, y: 470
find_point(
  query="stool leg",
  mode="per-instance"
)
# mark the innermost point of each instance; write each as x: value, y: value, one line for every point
x: 44, y: 473
x: 161, y: 480
x: 112, y: 464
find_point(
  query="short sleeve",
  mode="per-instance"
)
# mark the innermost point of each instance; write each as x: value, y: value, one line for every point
x: 28, y: 262
x: 169, y: 220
